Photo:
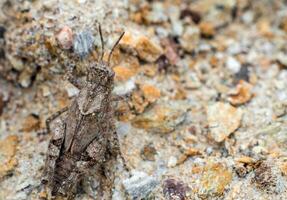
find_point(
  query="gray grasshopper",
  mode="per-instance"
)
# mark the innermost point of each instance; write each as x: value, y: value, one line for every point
x: 84, y: 135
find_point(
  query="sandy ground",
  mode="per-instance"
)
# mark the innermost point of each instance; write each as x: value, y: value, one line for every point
x: 207, y: 115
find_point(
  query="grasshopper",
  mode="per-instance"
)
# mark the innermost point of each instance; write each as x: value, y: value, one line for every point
x: 84, y: 134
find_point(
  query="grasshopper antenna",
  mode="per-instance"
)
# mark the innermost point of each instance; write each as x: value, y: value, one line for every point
x: 102, y: 42
x: 117, y: 42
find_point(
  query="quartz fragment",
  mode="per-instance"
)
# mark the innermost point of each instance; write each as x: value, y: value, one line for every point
x: 147, y: 49
x: 83, y: 43
x: 140, y: 185
x: 233, y: 65
x: 223, y: 119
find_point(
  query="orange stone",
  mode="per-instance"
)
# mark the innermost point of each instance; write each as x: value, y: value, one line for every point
x: 147, y: 50
x: 215, y: 178
x: 8, y: 148
x: 241, y: 94
x: 30, y: 123
x: 122, y: 73
x: 150, y: 92
x: 207, y: 29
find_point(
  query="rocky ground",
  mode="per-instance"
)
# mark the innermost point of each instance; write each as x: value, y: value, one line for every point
x: 207, y: 115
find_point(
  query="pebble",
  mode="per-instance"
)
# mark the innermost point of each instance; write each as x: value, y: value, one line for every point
x: 83, y: 43
x: 8, y: 148
x: 172, y: 161
x: 31, y: 122
x: 148, y: 152
x: 223, y: 119
x: 241, y: 94
x: 174, y: 189
x: 207, y: 29
x: 16, y: 63
x: 150, y: 92
x: 123, y: 73
x: 162, y: 118
x: 25, y: 78
x: 140, y: 185
x: 233, y: 65
x: 215, y: 178
x: 148, y: 50
x: 65, y: 37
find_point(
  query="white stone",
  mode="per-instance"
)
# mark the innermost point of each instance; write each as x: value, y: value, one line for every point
x: 233, y: 65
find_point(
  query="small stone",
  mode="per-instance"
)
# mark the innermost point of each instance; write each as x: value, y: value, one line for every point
x: 148, y: 50
x: 188, y: 153
x: 223, y: 119
x: 192, y: 152
x: 123, y: 73
x: 16, y: 63
x: 170, y: 49
x: 175, y: 190
x: 148, y: 152
x: 25, y: 78
x: 160, y: 119
x: 83, y: 43
x: 31, y: 123
x: 233, y: 65
x: 150, y: 92
x: 189, y: 39
x: 245, y: 160
x: 241, y: 94
x: 8, y: 147
x: 43, y: 195
x: 240, y: 170
x: 207, y: 29
x: 248, y: 17
x: 172, y: 161
x: 45, y: 90
x: 140, y: 185
x: 65, y: 37
x: 215, y: 178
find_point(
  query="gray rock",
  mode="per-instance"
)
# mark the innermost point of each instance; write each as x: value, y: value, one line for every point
x: 83, y: 43
x: 140, y: 185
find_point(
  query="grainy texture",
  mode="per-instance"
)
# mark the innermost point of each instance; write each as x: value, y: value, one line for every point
x: 225, y: 58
